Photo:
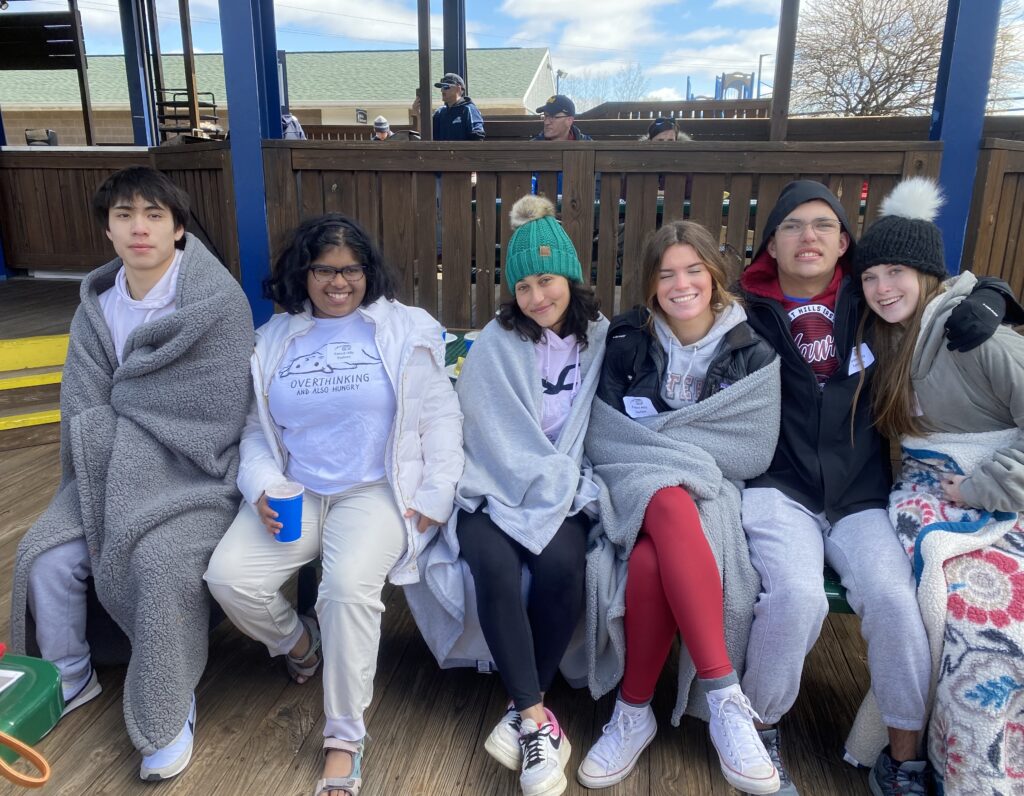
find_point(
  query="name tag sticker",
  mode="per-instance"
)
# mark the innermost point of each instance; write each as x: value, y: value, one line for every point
x: 855, y: 363
x: 638, y: 407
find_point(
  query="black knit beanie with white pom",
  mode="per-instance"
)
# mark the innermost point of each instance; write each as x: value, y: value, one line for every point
x: 906, y: 233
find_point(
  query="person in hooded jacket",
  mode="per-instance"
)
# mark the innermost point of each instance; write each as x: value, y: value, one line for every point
x: 687, y: 342
x: 824, y: 497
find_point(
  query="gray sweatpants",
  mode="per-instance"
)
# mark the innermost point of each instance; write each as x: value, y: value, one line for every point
x: 788, y: 547
x: 57, y: 599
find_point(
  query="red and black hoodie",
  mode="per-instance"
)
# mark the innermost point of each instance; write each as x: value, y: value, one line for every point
x: 816, y: 463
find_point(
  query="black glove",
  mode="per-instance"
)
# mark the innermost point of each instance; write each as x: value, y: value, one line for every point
x: 975, y: 319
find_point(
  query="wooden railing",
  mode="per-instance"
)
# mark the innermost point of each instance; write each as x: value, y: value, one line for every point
x: 863, y: 128
x: 441, y: 209
x: 46, y: 201
x: 994, y: 244
x: 681, y: 109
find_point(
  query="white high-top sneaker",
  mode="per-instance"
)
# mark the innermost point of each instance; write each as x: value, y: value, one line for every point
x: 745, y: 762
x: 503, y: 742
x: 630, y: 731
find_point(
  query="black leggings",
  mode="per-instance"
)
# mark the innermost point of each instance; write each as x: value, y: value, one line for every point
x: 527, y: 645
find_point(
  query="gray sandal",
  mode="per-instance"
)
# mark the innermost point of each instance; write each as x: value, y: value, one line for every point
x: 307, y: 665
x: 352, y: 783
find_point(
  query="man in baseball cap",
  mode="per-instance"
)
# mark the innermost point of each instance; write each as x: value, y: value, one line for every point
x: 559, y: 114
x: 458, y: 119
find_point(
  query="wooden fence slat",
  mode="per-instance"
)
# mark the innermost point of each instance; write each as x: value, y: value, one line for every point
x: 984, y: 206
x: 641, y: 218
x: 282, y: 196
x: 737, y: 232
x: 608, y: 243
x: 456, y: 249
x: 425, y: 192
x: 486, y: 228
x: 312, y: 192
x: 706, y: 202
x: 1015, y: 244
x: 1007, y: 223
x: 367, y: 210
x: 578, y: 205
x: 675, y: 196
x: 512, y: 186
x: 547, y: 184
x: 847, y: 189
x: 879, y: 187
x: 398, y: 245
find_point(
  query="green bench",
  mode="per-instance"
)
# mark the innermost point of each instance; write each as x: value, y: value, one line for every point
x: 834, y: 590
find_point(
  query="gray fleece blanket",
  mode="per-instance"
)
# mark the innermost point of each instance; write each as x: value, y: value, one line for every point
x: 529, y: 484
x: 704, y: 448
x: 149, y: 456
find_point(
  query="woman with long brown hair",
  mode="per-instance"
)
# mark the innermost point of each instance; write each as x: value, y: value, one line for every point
x: 689, y: 403
x: 958, y: 416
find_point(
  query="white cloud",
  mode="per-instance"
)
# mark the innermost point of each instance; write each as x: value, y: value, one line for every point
x: 739, y: 55
x: 707, y: 34
x: 664, y: 95
x: 756, y: 6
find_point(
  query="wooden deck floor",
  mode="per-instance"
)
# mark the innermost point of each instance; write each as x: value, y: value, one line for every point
x: 259, y: 734
x: 31, y: 307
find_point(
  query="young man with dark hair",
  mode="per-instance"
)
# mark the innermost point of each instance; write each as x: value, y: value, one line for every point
x: 824, y: 497
x: 154, y: 396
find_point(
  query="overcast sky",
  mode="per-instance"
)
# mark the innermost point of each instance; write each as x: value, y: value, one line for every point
x: 669, y: 39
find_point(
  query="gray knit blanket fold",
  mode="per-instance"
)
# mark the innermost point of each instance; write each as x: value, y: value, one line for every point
x: 529, y: 484
x: 705, y: 448
x: 149, y: 456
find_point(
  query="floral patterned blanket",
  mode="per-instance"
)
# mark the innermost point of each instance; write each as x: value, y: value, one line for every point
x: 970, y: 569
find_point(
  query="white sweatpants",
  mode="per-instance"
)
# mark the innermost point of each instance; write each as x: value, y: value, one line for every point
x: 360, y: 535
x: 788, y: 547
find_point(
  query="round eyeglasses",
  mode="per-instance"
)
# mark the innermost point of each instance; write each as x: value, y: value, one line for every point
x: 325, y: 273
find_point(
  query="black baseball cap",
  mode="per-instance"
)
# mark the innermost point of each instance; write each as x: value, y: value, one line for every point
x: 558, y: 103
x: 450, y: 79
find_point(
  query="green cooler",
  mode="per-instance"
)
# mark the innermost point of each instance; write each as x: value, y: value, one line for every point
x: 32, y: 704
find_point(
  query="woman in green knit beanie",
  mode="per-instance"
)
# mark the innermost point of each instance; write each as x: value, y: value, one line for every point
x: 526, y: 390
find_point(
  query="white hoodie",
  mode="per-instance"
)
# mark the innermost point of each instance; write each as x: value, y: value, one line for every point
x: 687, y: 365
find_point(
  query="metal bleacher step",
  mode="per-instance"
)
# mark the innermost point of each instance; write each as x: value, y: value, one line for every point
x: 30, y: 378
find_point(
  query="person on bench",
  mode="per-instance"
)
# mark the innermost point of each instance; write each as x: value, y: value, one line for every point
x: 153, y: 399
x: 353, y: 403
x: 823, y: 498
x: 956, y: 507
x: 688, y: 404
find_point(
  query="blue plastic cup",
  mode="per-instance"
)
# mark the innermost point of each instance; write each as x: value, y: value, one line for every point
x: 286, y: 499
x: 469, y: 338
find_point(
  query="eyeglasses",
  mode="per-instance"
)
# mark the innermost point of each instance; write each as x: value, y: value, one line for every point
x: 325, y: 273
x: 821, y: 226
x: 556, y: 115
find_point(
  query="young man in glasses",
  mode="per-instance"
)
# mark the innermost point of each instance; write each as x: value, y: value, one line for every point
x: 559, y: 114
x: 825, y: 495
x: 458, y: 119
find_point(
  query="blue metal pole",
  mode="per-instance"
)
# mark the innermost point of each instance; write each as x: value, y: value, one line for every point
x: 958, y: 115
x: 140, y: 90
x: 244, y: 40
x: 3, y: 135
x: 3, y: 260
x: 271, y: 87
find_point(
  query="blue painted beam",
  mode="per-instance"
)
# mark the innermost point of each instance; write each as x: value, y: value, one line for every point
x: 958, y: 114
x: 245, y: 40
x: 3, y: 135
x: 140, y: 88
x: 3, y: 261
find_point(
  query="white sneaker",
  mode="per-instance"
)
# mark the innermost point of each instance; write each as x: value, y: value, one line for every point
x: 86, y: 692
x: 503, y: 742
x: 172, y: 759
x: 546, y: 751
x: 630, y: 731
x: 745, y: 762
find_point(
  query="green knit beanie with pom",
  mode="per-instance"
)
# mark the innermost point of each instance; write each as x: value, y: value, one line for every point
x: 539, y: 245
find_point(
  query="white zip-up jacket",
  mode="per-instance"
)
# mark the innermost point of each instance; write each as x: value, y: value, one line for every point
x: 423, y: 460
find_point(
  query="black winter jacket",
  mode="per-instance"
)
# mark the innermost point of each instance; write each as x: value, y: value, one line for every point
x: 815, y: 463
x: 634, y: 361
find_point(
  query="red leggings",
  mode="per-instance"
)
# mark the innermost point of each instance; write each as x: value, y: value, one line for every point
x: 673, y: 584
